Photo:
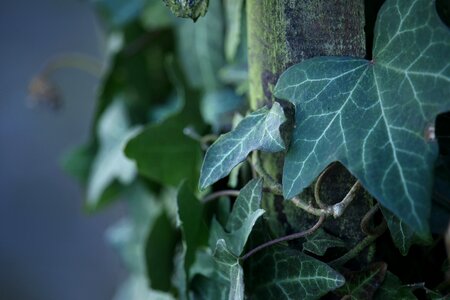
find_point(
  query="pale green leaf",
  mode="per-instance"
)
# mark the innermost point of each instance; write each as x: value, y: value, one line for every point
x: 402, y: 234
x: 136, y: 288
x: 257, y: 131
x: 283, y: 273
x: 229, y: 271
x: 373, y: 116
x: 200, y: 48
x: 110, y: 162
x: 233, y: 14
x: 320, y: 241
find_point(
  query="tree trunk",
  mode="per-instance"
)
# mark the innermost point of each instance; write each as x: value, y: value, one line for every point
x: 285, y: 32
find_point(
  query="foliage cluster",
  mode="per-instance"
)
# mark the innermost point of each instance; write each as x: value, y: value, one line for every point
x: 172, y: 86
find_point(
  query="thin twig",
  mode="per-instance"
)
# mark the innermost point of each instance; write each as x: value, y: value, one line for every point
x: 318, y: 184
x: 339, y: 208
x: 285, y: 238
x: 210, y: 197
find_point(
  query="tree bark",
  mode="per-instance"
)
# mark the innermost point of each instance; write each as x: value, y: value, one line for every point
x: 285, y: 32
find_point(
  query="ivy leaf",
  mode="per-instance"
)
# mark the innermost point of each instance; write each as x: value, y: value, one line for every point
x: 284, y: 273
x: 402, y: 235
x: 193, y: 229
x: 110, y: 163
x: 188, y: 8
x: 136, y: 288
x: 372, y: 115
x: 160, y: 250
x: 229, y: 270
x: 246, y: 211
x: 320, y: 241
x: 257, y: 131
x: 200, y: 48
x: 233, y: 13
x: 392, y: 288
x: 158, y: 148
x: 363, y: 284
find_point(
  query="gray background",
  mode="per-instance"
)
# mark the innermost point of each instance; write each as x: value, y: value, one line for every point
x: 49, y: 248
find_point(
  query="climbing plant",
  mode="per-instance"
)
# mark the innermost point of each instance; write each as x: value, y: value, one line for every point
x: 358, y: 205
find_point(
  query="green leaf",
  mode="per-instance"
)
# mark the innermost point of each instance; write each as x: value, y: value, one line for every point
x: 248, y: 201
x: 77, y: 162
x: 193, y: 228
x: 372, y: 115
x: 158, y: 149
x: 218, y: 107
x: 246, y: 211
x: 129, y: 235
x: 119, y: 12
x: 110, y: 162
x: 283, y: 273
x: 200, y: 48
x: 320, y: 241
x: 257, y: 131
x: 363, y: 284
x: 402, y: 234
x: 229, y: 271
x: 136, y: 288
x: 159, y: 253
x: 188, y: 8
x: 207, y: 288
x: 392, y: 288
x: 233, y: 13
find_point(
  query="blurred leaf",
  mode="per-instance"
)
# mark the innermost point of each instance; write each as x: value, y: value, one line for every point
x: 218, y: 107
x: 233, y: 13
x: 77, y: 162
x: 159, y: 253
x: 283, y: 273
x: 392, y: 288
x: 136, y: 288
x: 193, y: 228
x: 257, y: 131
x: 156, y: 15
x: 200, y: 48
x: 203, y: 264
x: 402, y: 234
x: 118, y: 13
x: 128, y: 236
x: 159, y: 148
x: 362, y: 285
x: 207, y: 288
x: 110, y: 163
x: 320, y: 241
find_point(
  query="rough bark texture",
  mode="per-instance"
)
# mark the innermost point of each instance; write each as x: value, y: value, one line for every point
x: 285, y: 32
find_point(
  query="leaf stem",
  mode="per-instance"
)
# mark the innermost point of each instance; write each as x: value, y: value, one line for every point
x: 210, y: 197
x: 285, y: 238
x: 367, y: 241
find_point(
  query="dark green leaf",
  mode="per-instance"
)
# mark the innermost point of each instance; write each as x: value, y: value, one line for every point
x: 159, y: 253
x: 119, y: 12
x: 363, y: 284
x: 193, y: 228
x: 374, y: 116
x: 402, y: 234
x: 392, y: 288
x: 283, y: 273
x: 257, y: 131
x: 320, y: 241
x: 77, y: 162
x: 159, y: 148
x: 188, y: 8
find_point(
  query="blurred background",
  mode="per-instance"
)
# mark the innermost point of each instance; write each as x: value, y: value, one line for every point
x: 49, y: 247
